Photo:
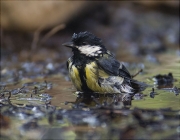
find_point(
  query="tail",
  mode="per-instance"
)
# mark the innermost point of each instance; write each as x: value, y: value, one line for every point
x: 138, y: 86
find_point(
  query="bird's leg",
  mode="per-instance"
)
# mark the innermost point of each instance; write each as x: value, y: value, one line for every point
x: 95, y: 100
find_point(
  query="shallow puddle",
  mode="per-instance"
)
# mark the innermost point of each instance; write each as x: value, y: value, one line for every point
x: 48, y: 108
x: 164, y: 97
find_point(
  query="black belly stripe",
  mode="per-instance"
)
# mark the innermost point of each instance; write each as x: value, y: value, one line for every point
x: 82, y: 75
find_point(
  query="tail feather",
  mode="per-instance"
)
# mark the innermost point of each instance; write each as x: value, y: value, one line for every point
x: 137, y: 86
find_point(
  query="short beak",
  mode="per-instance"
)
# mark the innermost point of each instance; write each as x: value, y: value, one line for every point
x: 68, y: 44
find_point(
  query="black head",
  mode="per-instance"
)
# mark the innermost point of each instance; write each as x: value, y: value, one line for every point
x: 86, y: 38
x: 86, y: 43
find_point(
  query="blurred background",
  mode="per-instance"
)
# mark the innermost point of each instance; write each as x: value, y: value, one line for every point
x: 35, y: 30
x: 37, y: 100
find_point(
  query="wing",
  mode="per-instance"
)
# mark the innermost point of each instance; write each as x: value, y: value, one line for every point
x: 113, y: 67
x: 69, y: 62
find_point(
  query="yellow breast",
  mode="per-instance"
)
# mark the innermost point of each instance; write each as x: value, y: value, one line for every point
x: 92, y: 76
x: 74, y: 75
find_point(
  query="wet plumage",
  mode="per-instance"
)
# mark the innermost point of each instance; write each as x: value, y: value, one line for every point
x: 93, y: 68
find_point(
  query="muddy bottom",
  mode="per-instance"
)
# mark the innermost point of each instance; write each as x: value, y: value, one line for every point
x: 47, y: 107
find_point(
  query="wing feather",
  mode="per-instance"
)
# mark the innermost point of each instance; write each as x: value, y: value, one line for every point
x: 113, y: 67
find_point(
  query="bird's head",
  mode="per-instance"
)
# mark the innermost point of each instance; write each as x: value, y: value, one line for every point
x: 86, y: 43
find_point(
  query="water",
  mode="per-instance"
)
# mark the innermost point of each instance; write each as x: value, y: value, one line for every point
x: 165, y: 98
x: 48, y: 108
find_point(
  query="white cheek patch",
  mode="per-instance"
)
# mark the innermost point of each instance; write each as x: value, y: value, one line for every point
x: 90, y: 50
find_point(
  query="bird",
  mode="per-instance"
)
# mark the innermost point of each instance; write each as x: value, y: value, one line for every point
x: 94, y: 69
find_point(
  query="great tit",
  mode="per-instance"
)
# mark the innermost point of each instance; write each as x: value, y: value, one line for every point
x: 93, y: 68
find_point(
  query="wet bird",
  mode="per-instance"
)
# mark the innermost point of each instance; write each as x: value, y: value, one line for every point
x: 93, y: 68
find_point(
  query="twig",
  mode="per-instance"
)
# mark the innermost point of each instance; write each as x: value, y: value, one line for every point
x: 52, y: 32
x: 2, y: 95
x: 137, y: 73
x: 35, y: 90
x: 34, y: 43
x: 21, y: 89
x: 45, y: 83
x: 35, y: 40
x: 9, y: 95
